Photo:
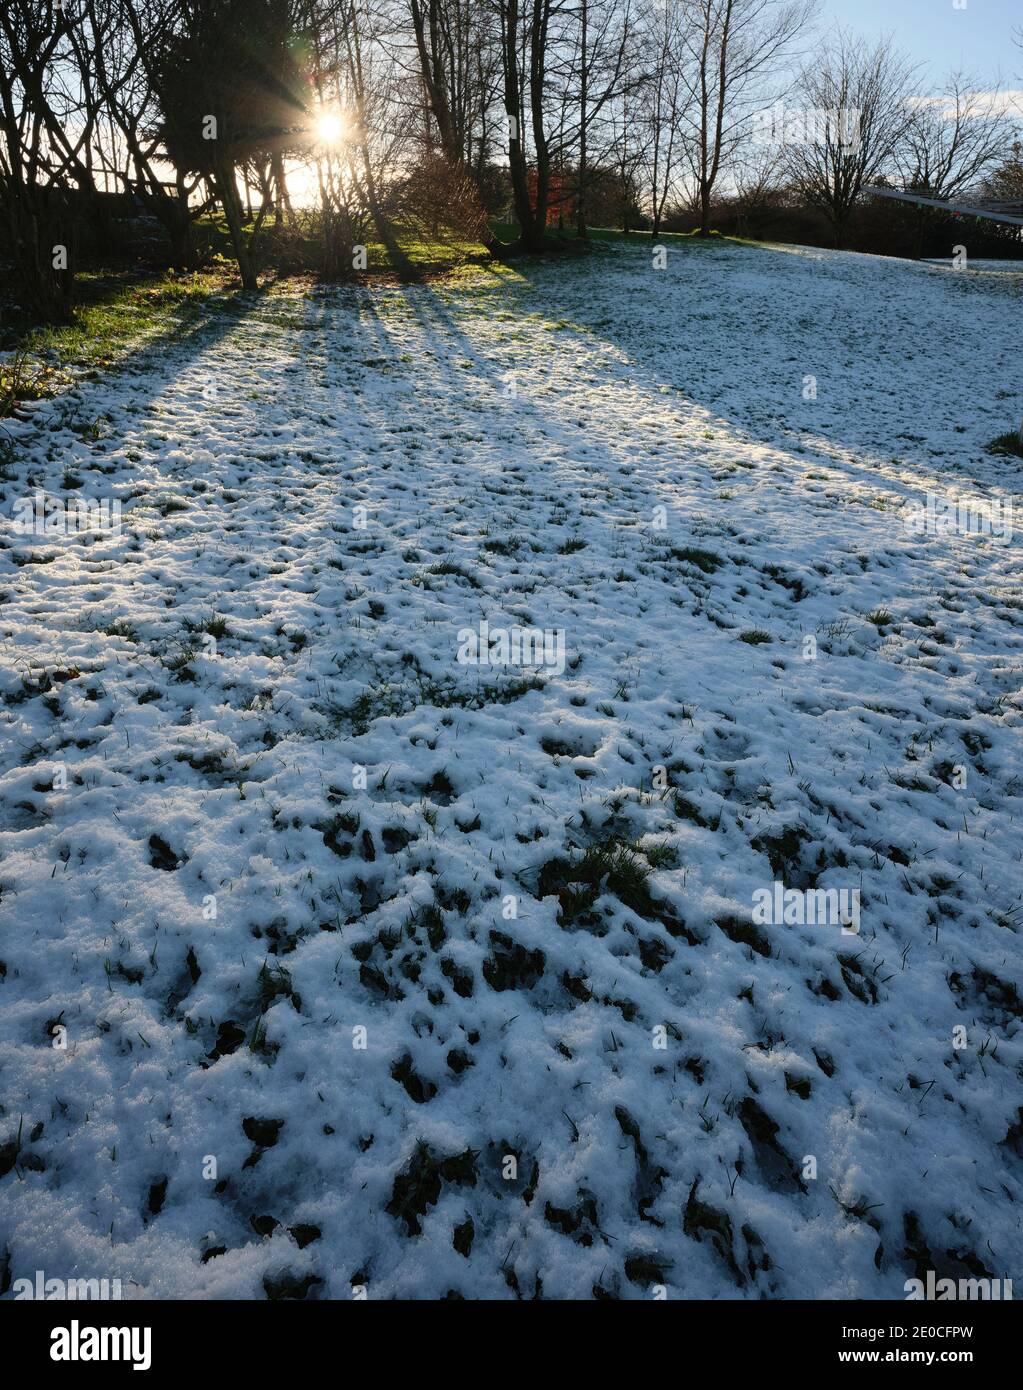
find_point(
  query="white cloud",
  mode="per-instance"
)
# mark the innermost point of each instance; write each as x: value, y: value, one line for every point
x: 993, y: 103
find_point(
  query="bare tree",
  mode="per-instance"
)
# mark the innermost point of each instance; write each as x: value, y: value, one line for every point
x: 1005, y: 181
x: 45, y: 130
x: 600, y: 63
x: 525, y: 26
x: 459, y: 66
x: 664, y: 101
x: 120, y: 42
x: 759, y: 184
x: 858, y: 96
x: 952, y: 141
x: 626, y: 152
x: 733, y: 48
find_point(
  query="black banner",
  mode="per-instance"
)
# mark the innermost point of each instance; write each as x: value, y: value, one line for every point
x: 235, y: 1338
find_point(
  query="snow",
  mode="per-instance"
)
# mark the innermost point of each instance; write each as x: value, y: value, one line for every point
x: 511, y: 436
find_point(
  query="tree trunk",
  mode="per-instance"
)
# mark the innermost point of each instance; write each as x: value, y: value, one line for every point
x: 276, y: 186
x: 513, y: 108
x: 704, y: 208
x: 580, y: 225
x: 228, y: 190
x: 537, y: 61
x: 36, y: 230
x: 179, y: 232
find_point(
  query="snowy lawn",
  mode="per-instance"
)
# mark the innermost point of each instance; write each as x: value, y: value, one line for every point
x: 501, y: 1022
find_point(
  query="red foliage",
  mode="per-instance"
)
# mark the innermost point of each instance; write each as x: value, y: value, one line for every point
x: 559, y: 203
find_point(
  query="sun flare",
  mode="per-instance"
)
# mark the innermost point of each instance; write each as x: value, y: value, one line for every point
x: 329, y: 127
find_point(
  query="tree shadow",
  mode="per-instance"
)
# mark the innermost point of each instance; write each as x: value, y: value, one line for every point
x: 806, y: 351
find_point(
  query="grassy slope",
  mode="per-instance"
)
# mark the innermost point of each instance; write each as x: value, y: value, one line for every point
x: 120, y: 309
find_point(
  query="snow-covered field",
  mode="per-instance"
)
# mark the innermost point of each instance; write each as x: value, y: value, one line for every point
x: 492, y: 1018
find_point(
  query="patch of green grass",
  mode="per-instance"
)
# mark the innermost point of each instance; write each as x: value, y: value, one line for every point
x: 610, y: 866
x: 121, y: 627
x: 1006, y: 444
x: 427, y: 255
x: 704, y: 560
x: 22, y: 379
x: 215, y: 625
x: 117, y: 312
x: 660, y: 856
x: 755, y: 637
x: 509, y: 231
x: 458, y: 571
x: 397, y: 700
x: 500, y: 547
x: 273, y: 983
x: 171, y: 504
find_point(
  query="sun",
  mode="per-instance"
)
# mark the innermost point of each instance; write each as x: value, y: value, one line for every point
x: 329, y: 127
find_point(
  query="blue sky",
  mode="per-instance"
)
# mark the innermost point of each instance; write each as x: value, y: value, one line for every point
x: 977, y: 38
